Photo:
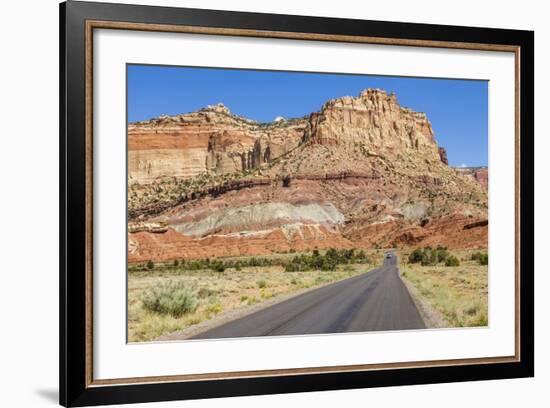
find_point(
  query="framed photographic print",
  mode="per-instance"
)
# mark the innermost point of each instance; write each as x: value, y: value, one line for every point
x: 255, y: 203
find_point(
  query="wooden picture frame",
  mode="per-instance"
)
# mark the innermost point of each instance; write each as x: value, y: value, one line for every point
x: 78, y: 20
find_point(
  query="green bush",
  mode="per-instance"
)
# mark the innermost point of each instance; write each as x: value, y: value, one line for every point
x: 176, y: 263
x: 327, y: 262
x: 482, y: 258
x: 452, y: 261
x: 429, y: 256
x: 172, y: 298
x: 262, y: 284
x: 150, y: 264
x: 442, y: 254
x: 416, y: 256
x: 218, y: 267
x: 259, y: 262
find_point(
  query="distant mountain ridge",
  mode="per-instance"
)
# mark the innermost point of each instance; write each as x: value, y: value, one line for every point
x: 250, y: 188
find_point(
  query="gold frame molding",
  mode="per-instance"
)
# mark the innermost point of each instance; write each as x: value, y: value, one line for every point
x: 98, y: 24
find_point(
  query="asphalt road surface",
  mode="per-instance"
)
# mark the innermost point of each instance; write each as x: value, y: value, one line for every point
x: 377, y: 300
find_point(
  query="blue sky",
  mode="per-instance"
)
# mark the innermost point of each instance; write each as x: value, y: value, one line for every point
x: 457, y: 109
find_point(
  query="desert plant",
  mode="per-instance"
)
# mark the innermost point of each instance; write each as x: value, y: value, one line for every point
x: 262, y: 284
x: 429, y: 257
x: 484, y: 259
x: 214, y: 308
x: 442, y: 254
x: 172, y: 298
x: 150, y: 264
x: 416, y: 256
x: 452, y: 261
x: 218, y: 267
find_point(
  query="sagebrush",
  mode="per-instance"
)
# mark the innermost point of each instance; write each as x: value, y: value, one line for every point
x: 172, y: 298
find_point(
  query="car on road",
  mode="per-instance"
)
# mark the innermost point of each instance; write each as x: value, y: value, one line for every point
x: 388, y: 256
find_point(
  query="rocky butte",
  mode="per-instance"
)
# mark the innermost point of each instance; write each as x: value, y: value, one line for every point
x: 361, y: 172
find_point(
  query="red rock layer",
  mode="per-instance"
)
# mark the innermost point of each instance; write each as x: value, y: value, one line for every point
x: 450, y: 231
x: 144, y: 246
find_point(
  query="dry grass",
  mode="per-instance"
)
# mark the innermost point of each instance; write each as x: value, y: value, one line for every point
x: 217, y: 292
x: 459, y: 293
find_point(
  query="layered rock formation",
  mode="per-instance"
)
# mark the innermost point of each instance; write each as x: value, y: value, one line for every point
x: 361, y: 172
x: 374, y: 119
x: 210, y: 140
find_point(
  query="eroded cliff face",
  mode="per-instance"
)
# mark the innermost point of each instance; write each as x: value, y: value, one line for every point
x: 361, y: 172
x: 210, y: 140
x: 376, y: 121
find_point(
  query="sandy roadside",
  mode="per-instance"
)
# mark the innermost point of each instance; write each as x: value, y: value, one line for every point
x: 432, y: 318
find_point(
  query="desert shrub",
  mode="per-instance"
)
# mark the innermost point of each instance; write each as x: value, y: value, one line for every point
x: 327, y: 262
x: 291, y: 267
x: 176, y: 263
x: 262, y: 284
x: 452, y: 261
x: 416, y: 256
x: 172, y: 298
x: 218, y: 267
x: 442, y: 254
x: 259, y: 262
x: 429, y: 257
x: 214, y: 308
x: 196, y: 265
x: 482, y: 258
x: 150, y: 264
x: 362, y: 256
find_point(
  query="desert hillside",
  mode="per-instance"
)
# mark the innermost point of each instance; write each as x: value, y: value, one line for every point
x: 362, y: 172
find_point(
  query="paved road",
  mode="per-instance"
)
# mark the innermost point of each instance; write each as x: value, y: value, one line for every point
x: 377, y: 300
